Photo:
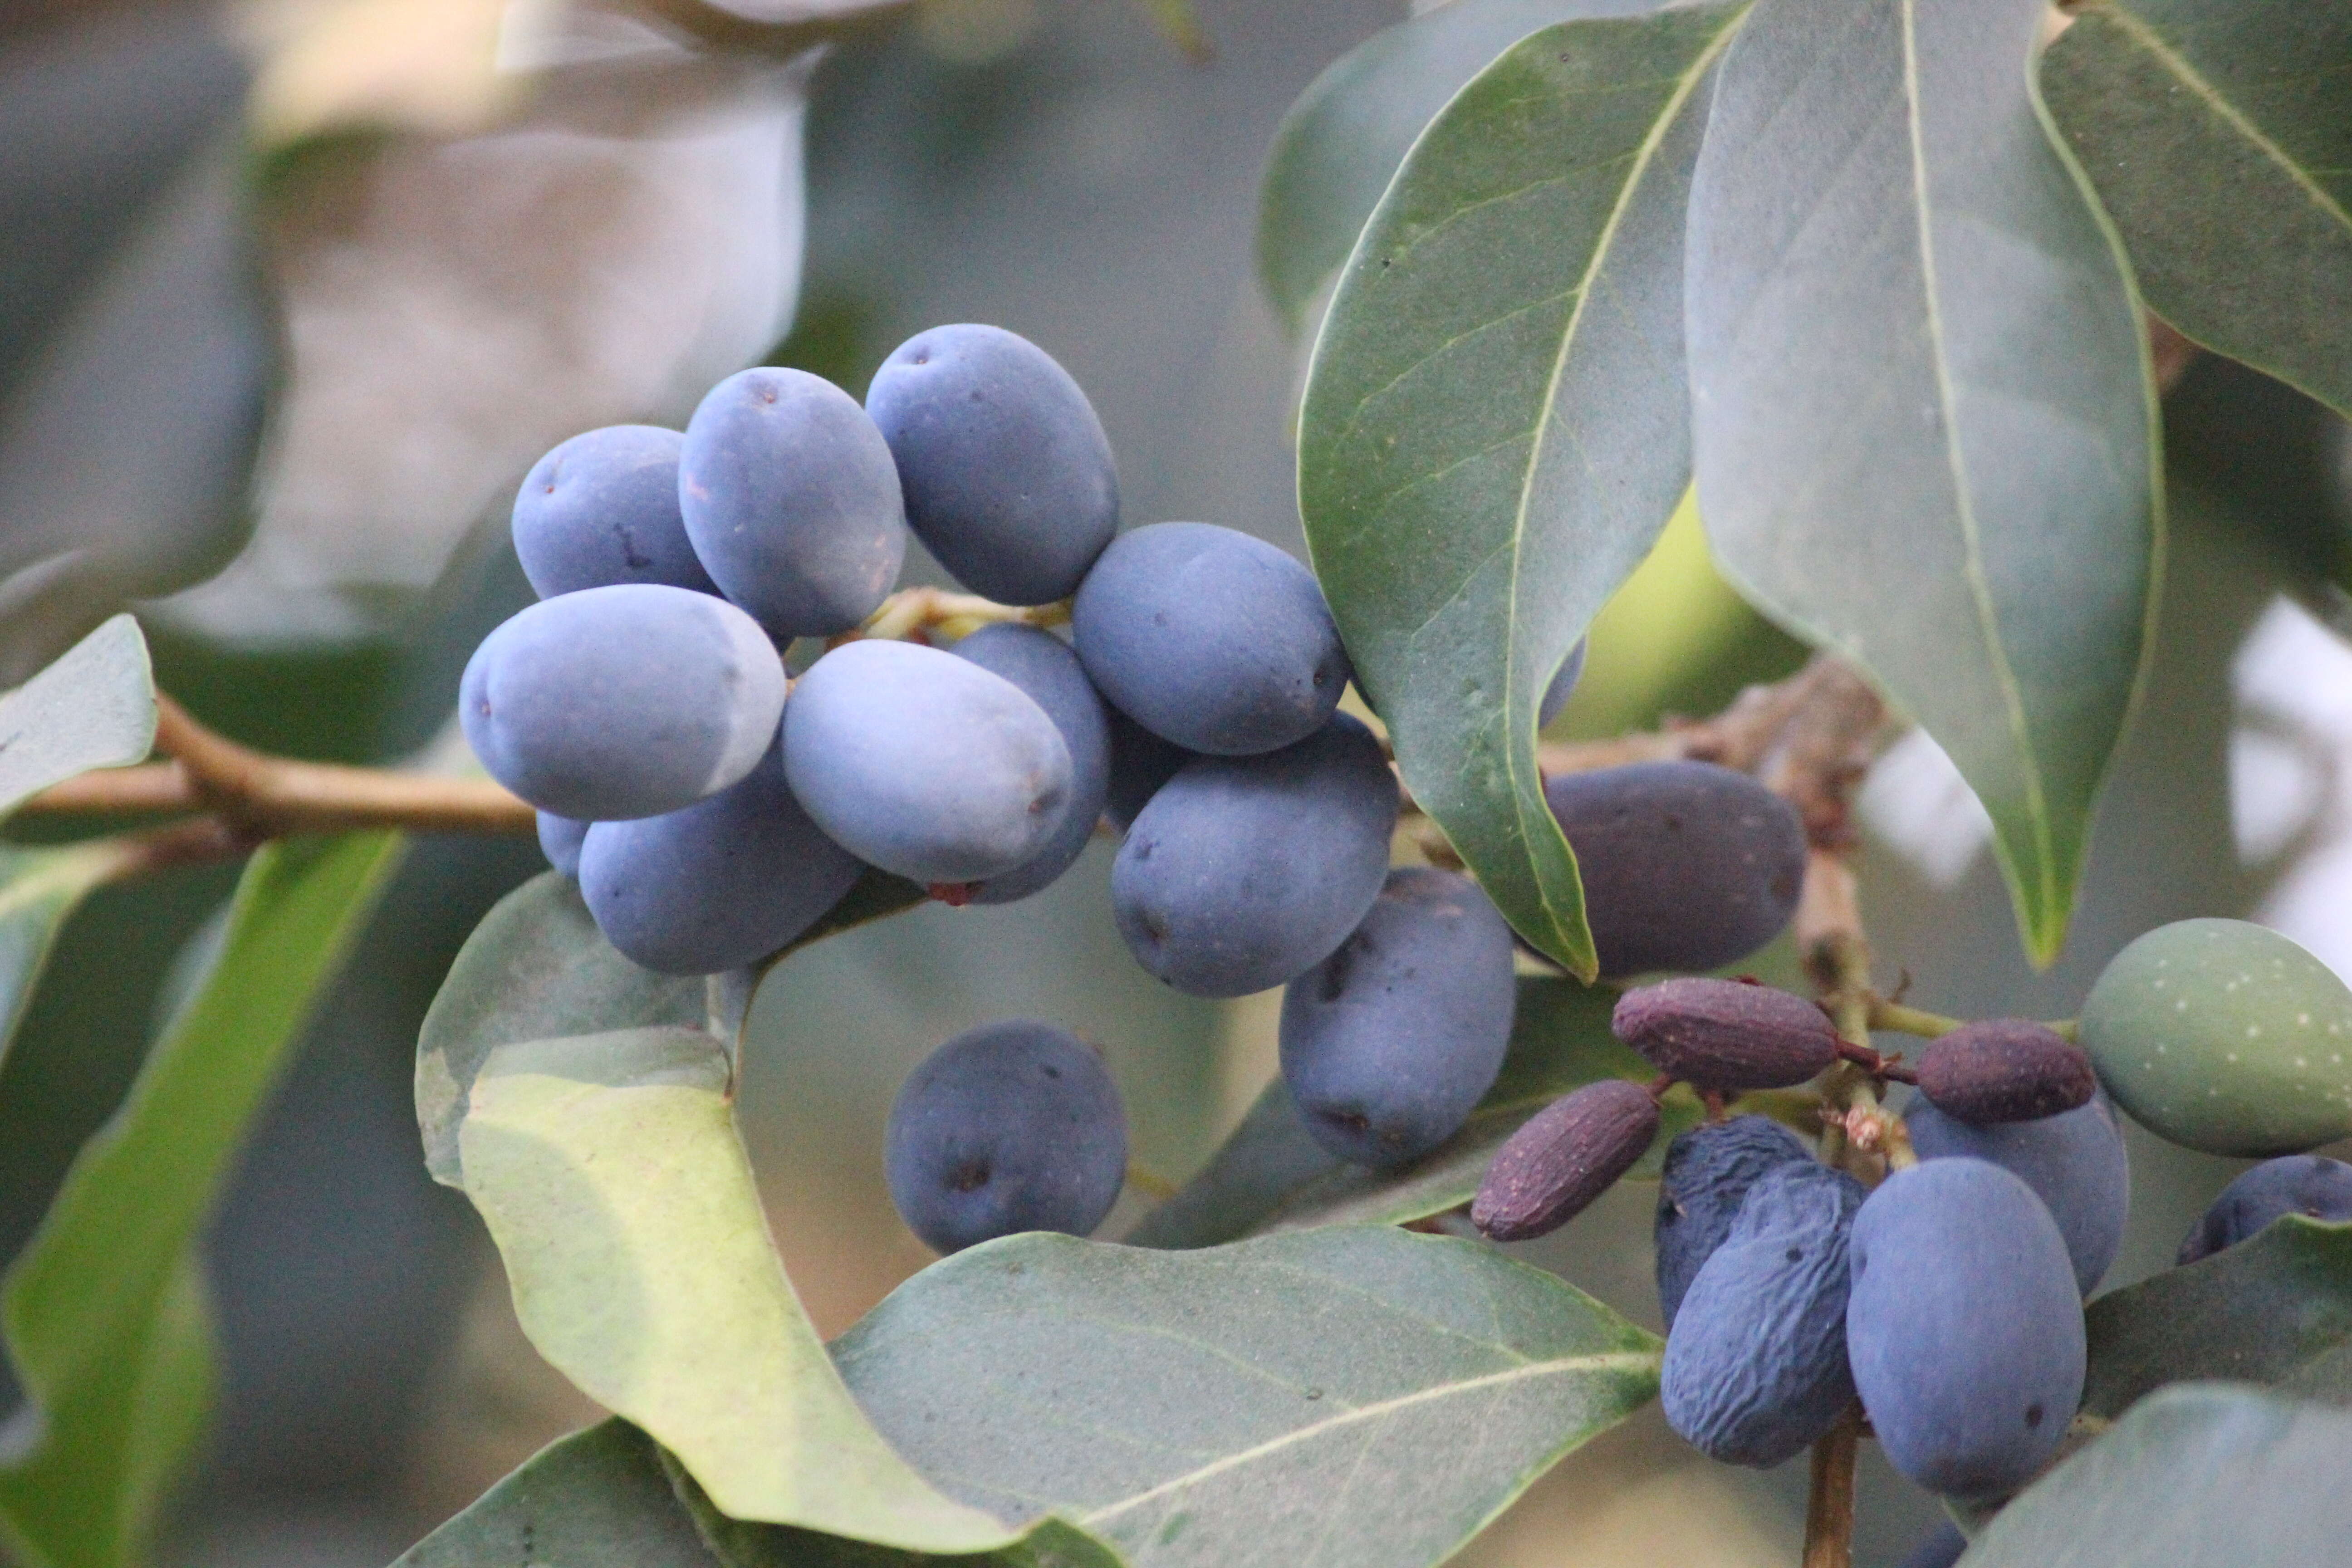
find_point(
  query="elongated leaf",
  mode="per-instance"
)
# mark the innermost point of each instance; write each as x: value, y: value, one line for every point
x: 2274, y: 1310
x: 94, y: 708
x: 39, y: 890
x: 2220, y: 138
x: 1921, y: 403
x: 611, y: 1175
x: 1271, y: 1174
x: 1495, y: 429
x: 1342, y: 140
x: 1358, y: 1395
x: 2206, y: 1475
x: 104, y: 1311
x: 536, y: 968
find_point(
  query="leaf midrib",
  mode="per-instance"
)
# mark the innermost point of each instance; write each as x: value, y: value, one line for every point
x: 1644, y: 158
x: 1612, y: 1361
x: 1980, y: 590
x: 2218, y: 105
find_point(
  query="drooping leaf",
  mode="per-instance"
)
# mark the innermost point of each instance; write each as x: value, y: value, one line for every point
x: 1271, y: 1175
x: 94, y: 708
x: 597, y: 1499
x: 2220, y: 138
x: 1495, y: 429
x: 2276, y: 1309
x: 2206, y: 1475
x: 536, y: 968
x: 611, y: 1175
x: 1358, y: 1394
x: 609, y: 1498
x: 738, y: 1543
x: 39, y: 890
x: 1342, y: 140
x: 104, y: 1312
x: 1921, y: 402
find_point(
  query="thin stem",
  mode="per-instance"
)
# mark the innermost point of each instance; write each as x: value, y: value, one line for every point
x: 1903, y: 1020
x: 1829, y: 1506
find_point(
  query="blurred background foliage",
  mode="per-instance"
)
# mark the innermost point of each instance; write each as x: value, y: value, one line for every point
x: 293, y: 291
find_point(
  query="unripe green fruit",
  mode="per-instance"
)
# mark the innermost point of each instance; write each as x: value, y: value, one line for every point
x: 2225, y: 1036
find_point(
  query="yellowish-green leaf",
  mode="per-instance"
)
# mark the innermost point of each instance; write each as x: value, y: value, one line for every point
x: 611, y: 1175
x: 104, y: 1313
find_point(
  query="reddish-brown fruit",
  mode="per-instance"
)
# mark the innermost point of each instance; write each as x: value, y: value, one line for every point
x: 1723, y: 1034
x: 2004, y: 1069
x: 1567, y: 1155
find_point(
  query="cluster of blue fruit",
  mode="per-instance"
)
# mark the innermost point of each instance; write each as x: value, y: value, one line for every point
x: 641, y: 706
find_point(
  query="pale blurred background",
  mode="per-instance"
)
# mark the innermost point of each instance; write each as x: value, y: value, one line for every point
x: 293, y: 291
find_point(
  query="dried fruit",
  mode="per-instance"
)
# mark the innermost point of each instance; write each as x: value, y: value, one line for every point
x: 1708, y: 1171
x: 1726, y: 1034
x: 2005, y: 1069
x: 1567, y: 1155
x: 1756, y: 1366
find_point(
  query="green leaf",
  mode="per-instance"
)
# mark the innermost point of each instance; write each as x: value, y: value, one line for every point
x: 536, y: 968
x: 94, y: 708
x: 39, y: 890
x: 2209, y: 1475
x: 611, y: 1175
x: 1051, y: 1543
x: 1342, y: 140
x: 2220, y: 138
x: 1272, y: 1174
x: 1360, y: 1394
x: 1923, y: 424
x: 598, y: 1499
x: 610, y: 1498
x: 1495, y: 430
x: 2276, y: 1309
x: 104, y: 1312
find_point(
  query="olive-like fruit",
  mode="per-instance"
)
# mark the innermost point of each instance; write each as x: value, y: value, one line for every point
x: 1726, y: 1033
x: 2224, y: 1037
x: 2005, y: 1069
x: 1562, y: 1158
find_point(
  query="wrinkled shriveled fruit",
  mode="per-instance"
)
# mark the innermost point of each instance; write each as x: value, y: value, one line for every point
x: 1707, y: 1174
x: 1565, y: 1155
x: 1756, y: 1366
x: 2004, y: 1069
x: 2224, y: 1037
x: 1726, y: 1033
x: 2307, y: 1184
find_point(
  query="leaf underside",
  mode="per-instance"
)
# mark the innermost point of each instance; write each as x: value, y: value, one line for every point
x: 1271, y: 1175
x: 93, y: 708
x: 1921, y: 407
x: 2205, y: 1475
x: 2220, y: 139
x: 1354, y: 1395
x: 104, y: 1313
x: 1495, y: 428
